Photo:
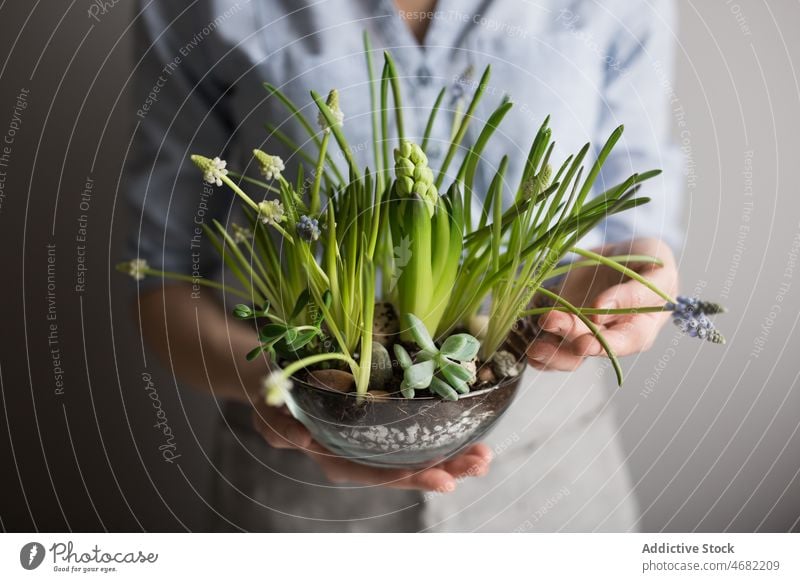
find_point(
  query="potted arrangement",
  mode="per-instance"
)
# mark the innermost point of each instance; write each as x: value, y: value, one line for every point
x: 368, y: 289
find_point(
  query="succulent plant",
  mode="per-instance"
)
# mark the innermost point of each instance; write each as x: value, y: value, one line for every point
x: 444, y: 371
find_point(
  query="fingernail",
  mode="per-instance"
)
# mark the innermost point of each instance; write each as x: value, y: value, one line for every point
x: 609, y: 305
x: 555, y: 329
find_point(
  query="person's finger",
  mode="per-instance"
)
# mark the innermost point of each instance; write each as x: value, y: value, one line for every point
x: 340, y: 470
x: 463, y: 466
x: 562, y: 324
x: 549, y: 352
x: 279, y: 430
x: 474, y: 462
x: 627, y: 336
x: 631, y: 293
x: 481, y: 450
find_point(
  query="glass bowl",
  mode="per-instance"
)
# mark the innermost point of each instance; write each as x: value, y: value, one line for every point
x: 396, y: 432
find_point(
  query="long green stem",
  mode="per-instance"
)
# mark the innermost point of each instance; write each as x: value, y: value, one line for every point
x: 295, y: 148
x: 254, y: 182
x: 594, y: 329
x: 432, y: 119
x: 373, y: 99
x: 323, y: 151
x: 398, y: 102
x: 368, y: 306
x: 333, y: 125
x: 298, y: 365
x: 462, y: 128
x: 594, y: 311
x: 197, y: 281
x: 239, y: 192
x: 624, y: 270
x: 568, y: 267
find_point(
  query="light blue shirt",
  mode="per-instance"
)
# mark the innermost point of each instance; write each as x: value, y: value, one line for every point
x: 591, y: 65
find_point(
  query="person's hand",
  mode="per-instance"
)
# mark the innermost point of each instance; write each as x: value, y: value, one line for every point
x: 565, y: 341
x: 282, y: 431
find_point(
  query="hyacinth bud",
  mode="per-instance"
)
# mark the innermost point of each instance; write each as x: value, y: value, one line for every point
x: 414, y: 177
x: 333, y: 105
x: 535, y: 185
x: 404, y: 167
x: 542, y: 179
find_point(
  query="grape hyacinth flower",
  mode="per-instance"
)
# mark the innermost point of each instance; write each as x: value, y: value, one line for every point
x: 213, y: 170
x: 271, y: 212
x: 308, y: 228
x: 241, y: 235
x: 136, y: 268
x: 691, y: 316
x: 270, y: 166
x: 276, y: 385
x: 694, y: 305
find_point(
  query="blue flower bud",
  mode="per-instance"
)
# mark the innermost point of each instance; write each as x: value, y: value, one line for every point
x: 308, y: 228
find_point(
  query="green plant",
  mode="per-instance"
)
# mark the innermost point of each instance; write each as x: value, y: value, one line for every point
x: 442, y: 369
x: 307, y: 260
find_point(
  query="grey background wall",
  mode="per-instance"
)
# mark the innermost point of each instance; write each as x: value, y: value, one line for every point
x: 713, y: 438
x: 711, y: 434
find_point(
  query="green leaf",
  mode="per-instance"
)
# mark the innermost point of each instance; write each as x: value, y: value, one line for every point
x: 441, y: 388
x: 302, y: 301
x: 291, y: 335
x: 420, y: 375
x: 455, y: 373
x: 406, y: 390
x: 420, y: 334
x: 460, y: 387
x: 394, y: 81
x: 242, y: 311
x: 301, y: 339
x: 432, y: 118
x: 271, y: 332
x: 252, y: 354
x: 402, y: 356
x: 327, y: 298
x: 461, y: 346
